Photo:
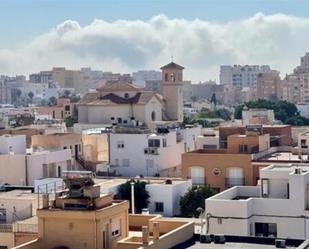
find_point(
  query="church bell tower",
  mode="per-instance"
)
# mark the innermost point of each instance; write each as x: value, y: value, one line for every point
x: 172, y: 84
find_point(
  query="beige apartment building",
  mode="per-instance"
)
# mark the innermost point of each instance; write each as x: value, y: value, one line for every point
x: 70, y: 141
x: 269, y: 86
x: 224, y: 168
x: 86, y: 219
x: 69, y: 78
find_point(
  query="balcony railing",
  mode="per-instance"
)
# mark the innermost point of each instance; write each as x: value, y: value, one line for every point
x: 230, y: 182
x: 6, y: 228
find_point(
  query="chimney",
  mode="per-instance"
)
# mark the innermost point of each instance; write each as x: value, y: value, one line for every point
x: 156, y: 230
x: 45, y: 198
x: 145, y: 232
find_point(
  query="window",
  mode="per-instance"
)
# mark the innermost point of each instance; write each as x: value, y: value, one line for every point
x: 2, y: 216
x: 265, y: 184
x: 166, y: 77
x: 243, y: 148
x: 173, y: 77
x: 153, y: 116
x: 116, y: 161
x: 67, y: 108
x: 59, y: 171
x: 125, y: 162
x: 116, y: 227
x: 159, y: 207
x: 155, y: 143
x: 303, y: 143
x: 126, y: 95
x: 120, y: 144
x: 266, y: 229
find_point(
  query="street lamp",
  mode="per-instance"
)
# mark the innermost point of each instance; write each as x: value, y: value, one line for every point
x: 132, y: 198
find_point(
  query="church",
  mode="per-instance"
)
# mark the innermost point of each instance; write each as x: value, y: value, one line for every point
x: 124, y: 103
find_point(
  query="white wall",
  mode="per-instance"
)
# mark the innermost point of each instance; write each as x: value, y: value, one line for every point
x: 13, y: 169
x: 169, y: 194
x: 17, y: 144
x: 35, y: 162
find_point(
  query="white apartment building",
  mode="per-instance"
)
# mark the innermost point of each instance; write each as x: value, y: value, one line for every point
x: 20, y: 168
x: 278, y: 207
x: 151, y: 153
x: 167, y: 204
x: 241, y: 76
x: 25, y: 169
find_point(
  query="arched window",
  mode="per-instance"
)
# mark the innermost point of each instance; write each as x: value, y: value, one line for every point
x: 172, y: 77
x: 153, y: 116
x: 166, y: 77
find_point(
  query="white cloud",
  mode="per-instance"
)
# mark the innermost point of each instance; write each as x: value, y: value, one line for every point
x: 201, y: 46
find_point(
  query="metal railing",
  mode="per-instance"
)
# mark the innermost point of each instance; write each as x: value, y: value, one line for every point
x: 6, y: 228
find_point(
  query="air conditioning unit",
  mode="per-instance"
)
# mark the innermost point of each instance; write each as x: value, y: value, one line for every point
x: 205, y: 239
x: 219, y: 239
x: 280, y: 243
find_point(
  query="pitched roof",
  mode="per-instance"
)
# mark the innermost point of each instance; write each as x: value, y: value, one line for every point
x: 172, y: 65
x: 117, y: 86
x: 141, y: 98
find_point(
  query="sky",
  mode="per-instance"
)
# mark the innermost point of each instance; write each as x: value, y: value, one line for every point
x: 129, y: 35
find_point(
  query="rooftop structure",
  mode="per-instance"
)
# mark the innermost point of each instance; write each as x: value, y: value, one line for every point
x: 89, y: 219
x: 276, y: 208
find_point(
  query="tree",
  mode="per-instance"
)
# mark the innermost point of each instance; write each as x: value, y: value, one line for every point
x: 52, y: 101
x: 74, y: 98
x: 70, y: 121
x: 194, y: 199
x: 283, y: 110
x: 66, y: 94
x: 141, y: 195
x: 223, y: 113
x: 30, y: 95
x: 16, y: 94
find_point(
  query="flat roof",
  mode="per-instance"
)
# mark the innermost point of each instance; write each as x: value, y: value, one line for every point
x: 288, y: 167
x: 18, y: 194
x: 233, y: 245
x: 113, y: 182
x: 281, y: 156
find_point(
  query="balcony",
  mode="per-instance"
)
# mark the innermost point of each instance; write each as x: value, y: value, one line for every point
x: 230, y: 182
x: 6, y: 228
x: 151, y: 151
